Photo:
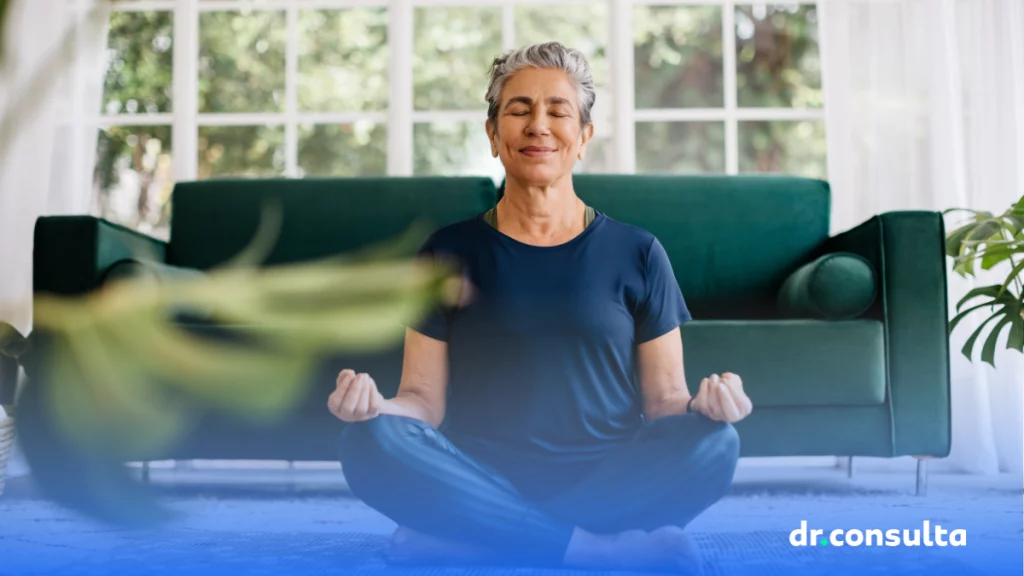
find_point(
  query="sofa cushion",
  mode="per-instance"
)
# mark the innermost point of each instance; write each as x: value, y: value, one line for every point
x: 792, y: 362
x: 732, y: 240
x: 213, y: 220
x: 836, y: 286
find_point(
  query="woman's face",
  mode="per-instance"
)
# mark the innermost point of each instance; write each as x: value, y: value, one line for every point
x: 539, y: 137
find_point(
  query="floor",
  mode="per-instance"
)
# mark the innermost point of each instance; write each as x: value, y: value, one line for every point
x: 37, y: 534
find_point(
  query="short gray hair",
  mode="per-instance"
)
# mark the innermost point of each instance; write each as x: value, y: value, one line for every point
x: 547, y: 55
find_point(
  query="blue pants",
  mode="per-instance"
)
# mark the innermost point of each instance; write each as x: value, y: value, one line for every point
x: 674, y: 469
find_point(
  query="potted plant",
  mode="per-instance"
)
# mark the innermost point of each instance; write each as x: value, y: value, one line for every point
x: 986, y: 240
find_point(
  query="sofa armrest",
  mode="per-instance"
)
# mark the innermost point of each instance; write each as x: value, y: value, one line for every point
x: 72, y: 253
x: 907, y: 250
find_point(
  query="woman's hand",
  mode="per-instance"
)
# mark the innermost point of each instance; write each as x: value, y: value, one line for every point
x: 722, y: 398
x: 355, y: 397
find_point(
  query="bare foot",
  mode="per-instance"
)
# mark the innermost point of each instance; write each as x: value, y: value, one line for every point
x: 667, y: 548
x: 411, y: 547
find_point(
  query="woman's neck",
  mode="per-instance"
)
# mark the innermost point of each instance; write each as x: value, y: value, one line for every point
x: 542, y: 216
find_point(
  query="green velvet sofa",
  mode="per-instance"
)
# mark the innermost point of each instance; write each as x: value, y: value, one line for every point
x: 874, y: 383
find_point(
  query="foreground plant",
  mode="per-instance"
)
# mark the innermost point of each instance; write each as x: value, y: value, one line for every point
x: 122, y: 373
x: 990, y: 240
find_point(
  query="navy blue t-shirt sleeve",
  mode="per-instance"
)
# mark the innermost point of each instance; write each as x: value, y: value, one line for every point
x: 662, y: 307
x: 436, y: 322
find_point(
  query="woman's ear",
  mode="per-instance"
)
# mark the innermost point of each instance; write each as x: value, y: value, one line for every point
x: 585, y: 135
x: 492, y: 135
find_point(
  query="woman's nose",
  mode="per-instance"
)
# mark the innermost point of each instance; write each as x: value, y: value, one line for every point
x: 538, y: 125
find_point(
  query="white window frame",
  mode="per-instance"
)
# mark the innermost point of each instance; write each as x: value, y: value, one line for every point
x: 400, y: 117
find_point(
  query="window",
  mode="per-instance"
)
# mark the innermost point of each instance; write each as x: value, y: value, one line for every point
x: 320, y: 88
x: 732, y: 87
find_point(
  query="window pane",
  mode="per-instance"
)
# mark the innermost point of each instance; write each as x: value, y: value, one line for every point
x: 139, y: 63
x: 453, y: 50
x: 680, y: 147
x: 359, y: 149
x: 133, y: 177
x: 580, y: 26
x: 678, y: 56
x: 777, y: 60
x: 783, y: 146
x: 241, y: 61
x: 241, y: 151
x: 453, y: 148
x: 343, y: 59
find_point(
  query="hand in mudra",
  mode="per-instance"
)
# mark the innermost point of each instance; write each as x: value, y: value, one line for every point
x: 355, y: 397
x: 722, y: 398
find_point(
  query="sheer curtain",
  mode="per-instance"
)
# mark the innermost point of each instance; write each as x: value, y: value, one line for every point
x: 925, y: 110
x: 47, y: 167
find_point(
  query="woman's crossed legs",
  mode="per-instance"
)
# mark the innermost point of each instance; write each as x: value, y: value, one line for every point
x: 628, y: 513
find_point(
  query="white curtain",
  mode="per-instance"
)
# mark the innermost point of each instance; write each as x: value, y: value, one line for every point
x: 47, y: 167
x: 925, y: 110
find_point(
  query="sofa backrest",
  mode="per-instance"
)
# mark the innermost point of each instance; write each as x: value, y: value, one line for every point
x: 732, y: 240
x: 213, y: 220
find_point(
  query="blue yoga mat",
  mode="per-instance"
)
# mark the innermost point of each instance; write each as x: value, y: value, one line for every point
x: 177, y: 553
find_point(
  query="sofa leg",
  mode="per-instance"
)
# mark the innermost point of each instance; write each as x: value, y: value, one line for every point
x: 922, y: 476
x: 145, y: 472
x: 849, y: 466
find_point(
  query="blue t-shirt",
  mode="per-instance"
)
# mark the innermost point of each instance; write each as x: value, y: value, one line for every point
x: 542, y: 361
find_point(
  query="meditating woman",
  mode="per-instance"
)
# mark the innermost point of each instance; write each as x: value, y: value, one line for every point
x: 546, y: 418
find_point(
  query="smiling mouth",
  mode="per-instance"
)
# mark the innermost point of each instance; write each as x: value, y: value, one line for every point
x: 537, y: 151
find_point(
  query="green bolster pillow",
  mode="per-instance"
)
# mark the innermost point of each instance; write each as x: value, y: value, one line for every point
x: 836, y: 286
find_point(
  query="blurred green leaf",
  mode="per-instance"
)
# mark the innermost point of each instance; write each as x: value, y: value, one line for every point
x: 969, y: 345
x: 1015, y: 223
x: 1015, y: 340
x: 94, y: 482
x: 980, y: 213
x: 103, y: 400
x: 964, y: 314
x: 4, y: 5
x: 955, y: 239
x: 985, y: 230
x: 1014, y: 273
x: 988, y: 351
x: 987, y: 291
x: 997, y: 254
x: 121, y: 380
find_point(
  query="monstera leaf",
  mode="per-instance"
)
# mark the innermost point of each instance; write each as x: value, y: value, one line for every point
x: 120, y: 374
x: 991, y: 240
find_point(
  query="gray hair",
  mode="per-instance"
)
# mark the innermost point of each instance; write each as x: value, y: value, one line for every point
x: 547, y: 55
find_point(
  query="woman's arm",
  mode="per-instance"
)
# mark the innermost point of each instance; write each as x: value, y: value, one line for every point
x: 423, y: 389
x: 664, y: 390
x: 662, y: 379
